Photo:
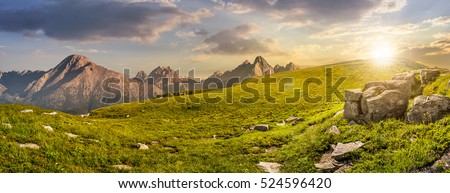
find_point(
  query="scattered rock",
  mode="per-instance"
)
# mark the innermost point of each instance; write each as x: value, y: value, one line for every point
x: 428, y: 109
x: 411, y: 78
x: 351, y: 123
x: 48, y: 128
x: 141, y: 146
x: 85, y: 115
x: 270, y: 167
x: 71, y: 135
x: 27, y: 111
x: 343, y: 169
x: 122, y: 167
x: 261, y: 127
x: 271, y: 149
x: 334, y: 130
x: 427, y: 76
x: 29, y: 145
x: 87, y: 123
x: 327, y: 163
x: 155, y: 142
x: 290, y: 119
x: 7, y: 125
x: 341, y: 149
x: 52, y: 113
x: 128, y: 116
x: 283, y: 123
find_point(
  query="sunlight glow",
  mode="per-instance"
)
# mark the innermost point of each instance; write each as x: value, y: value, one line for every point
x: 383, y: 53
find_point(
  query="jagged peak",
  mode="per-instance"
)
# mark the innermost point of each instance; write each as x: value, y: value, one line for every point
x: 74, y: 61
x: 260, y: 60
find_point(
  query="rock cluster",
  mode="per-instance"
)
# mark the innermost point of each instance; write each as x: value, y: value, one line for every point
x: 380, y: 100
x: 336, y: 159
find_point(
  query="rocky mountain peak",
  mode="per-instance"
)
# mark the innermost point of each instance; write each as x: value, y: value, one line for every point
x: 141, y: 75
x: 74, y: 62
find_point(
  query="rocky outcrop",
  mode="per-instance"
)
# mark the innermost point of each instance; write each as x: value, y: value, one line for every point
x: 428, y: 109
x: 413, y: 79
x: 428, y: 76
x: 379, y: 100
x: 334, y: 160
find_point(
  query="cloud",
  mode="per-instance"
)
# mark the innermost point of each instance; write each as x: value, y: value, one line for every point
x: 84, y: 20
x: 192, y: 33
x: 440, y: 21
x: 90, y: 51
x: 338, y: 32
x: 39, y: 53
x: 164, y: 3
x: 442, y: 35
x: 237, y: 41
x: 435, y: 48
x: 315, y: 11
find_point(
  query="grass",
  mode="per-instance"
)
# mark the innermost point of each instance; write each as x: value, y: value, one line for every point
x: 185, y: 132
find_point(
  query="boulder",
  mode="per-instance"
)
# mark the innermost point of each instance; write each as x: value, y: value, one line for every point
x: 271, y: 149
x: 353, y: 95
x: 428, y: 109
x: 27, y: 111
x: 351, y: 123
x: 352, y: 110
x: 270, y: 167
x: 261, y: 127
x: 411, y: 78
x: 427, y: 76
x: 369, y: 93
x: 282, y: 123
x: 389, y: 104
x: 341, y: 150
x: 401, y: 85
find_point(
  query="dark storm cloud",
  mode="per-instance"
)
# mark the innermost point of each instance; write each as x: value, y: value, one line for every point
x: 97, y: 20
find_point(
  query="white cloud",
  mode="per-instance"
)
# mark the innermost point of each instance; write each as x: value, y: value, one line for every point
x: 90, y: 51
x: 442, y: 35
x: 440, y: 21
x: 39, y: 53
x: 339, y: 32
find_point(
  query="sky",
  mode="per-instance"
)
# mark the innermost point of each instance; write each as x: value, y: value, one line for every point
x: 211, y: 35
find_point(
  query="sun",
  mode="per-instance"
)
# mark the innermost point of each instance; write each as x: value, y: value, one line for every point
x: 383, y: 53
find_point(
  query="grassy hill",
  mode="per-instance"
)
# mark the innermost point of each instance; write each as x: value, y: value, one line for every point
x: 201, y: 136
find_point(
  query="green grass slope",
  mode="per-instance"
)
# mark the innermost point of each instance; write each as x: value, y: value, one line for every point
x: 185, y: 131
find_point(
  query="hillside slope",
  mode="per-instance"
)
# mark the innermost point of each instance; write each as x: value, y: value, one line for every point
x: 213, y: 136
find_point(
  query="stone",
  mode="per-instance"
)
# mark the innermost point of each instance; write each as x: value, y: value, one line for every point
x: 401, y: 85
x: 29, y: 145
x: 48, y: 128
x: 141, y: 146
x: 27, y: 111
x: 369, y: 93
x: 341, y: 150
x: 428, y: 109
x: 334, y: 130
x: 122, y: 167
x: 52, y: 113
x: 352, y: 110
x: 410, y: 77
x: 353, y: 95
x: 71, y: 135
x: 343, y: 169
x: 155, y: 142
x: 292, y: 119
x: 351, y: 123
x: 87, y: 123
x: 427, y: 76
x: 282, y: 123
x: 7, y: 125
x: 270, y: 167
x: 389, y: 104
x: 261, y: 127
x: 327, y: 163
x: 85, y: 115
x: 271, y: 149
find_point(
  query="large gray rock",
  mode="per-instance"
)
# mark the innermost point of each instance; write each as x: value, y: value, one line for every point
x: 353, y: 95
x: 427, y: 76
x: 328, y: 163
x: 389, y: 104
x: 412, y: 80
x: 369, y: 93
x: 341, y: 150
x: 352, y: 108
x: 427, y: 109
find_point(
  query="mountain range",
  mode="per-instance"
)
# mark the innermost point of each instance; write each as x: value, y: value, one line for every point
x: 76, y: 84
